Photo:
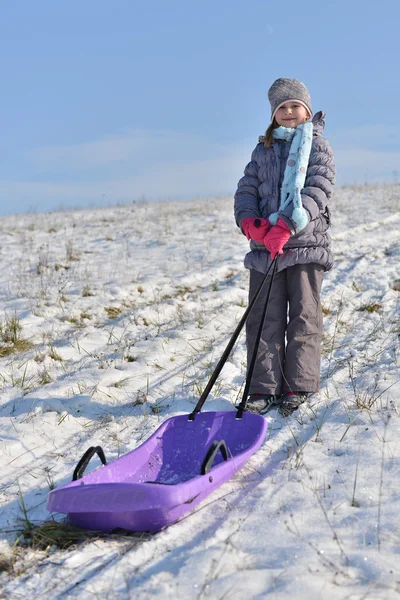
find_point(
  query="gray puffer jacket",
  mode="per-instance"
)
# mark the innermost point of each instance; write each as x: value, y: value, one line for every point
x: 258, y: 195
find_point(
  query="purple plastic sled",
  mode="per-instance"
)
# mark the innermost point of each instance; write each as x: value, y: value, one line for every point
x: 166, y: 476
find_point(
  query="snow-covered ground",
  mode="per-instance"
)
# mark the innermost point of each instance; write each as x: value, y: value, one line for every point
x: 111, y: 320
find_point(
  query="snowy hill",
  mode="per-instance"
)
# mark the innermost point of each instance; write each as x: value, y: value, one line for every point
x: 112, y: 320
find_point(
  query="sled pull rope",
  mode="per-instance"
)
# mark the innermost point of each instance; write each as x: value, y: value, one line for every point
x: 231, y: 343
x: 84, y: 461
x: 242, y: 406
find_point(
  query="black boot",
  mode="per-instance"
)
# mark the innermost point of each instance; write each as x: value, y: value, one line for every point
x: 290, y: 402
x: 261, y: 403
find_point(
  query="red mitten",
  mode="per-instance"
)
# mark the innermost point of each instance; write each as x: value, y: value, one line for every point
x: 277, y: 237
x: 255, y: 229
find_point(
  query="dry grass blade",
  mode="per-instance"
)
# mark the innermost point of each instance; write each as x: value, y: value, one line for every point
x: 51, y: 533
x: 63, y: 535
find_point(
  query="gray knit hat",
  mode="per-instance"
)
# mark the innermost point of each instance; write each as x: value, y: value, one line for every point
x: 283, y: 90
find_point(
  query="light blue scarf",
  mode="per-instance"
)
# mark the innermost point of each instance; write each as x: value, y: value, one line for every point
x: 295, y: 171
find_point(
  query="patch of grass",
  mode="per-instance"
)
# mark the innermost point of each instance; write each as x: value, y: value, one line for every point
x: 127, y: 303
x: 10, y: 330
x: 7, y: 563
x: 113, y: 311
x: 86, y: 315
x: 396, y: 285
x: 130, y: 358
x: 74, y: 320
x: 55, y: 355
x: 44, y: 377
x: 72, y: 254
x: 365, y: 397
x: 21, y: 346
x: 371, y: 307
x: 59, y: 266
x: 122, y: 382
x: 49, y: 478
x: 183, y: 290
x: 326, y: 311
x: 11, y: 340
x: 51, y: 533
x: 86, y: 291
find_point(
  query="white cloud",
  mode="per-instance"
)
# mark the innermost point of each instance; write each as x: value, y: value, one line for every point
x: 368, y: 153
x: 137, y: 148
x: 157, y: 165
x: 158, y: 181
x: 358, y: 165
x: 162, y: 165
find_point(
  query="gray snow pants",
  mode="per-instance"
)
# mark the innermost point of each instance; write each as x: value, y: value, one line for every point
x: 289, y: 354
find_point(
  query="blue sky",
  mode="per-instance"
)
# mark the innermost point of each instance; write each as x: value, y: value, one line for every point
x: 112, y: 101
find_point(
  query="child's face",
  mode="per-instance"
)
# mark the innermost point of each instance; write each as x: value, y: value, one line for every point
x: 291, y: 114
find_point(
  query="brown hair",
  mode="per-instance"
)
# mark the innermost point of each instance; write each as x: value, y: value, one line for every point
x: 268, y: 139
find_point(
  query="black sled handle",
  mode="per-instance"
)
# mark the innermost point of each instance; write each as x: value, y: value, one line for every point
x: 230, y: 345
x: 242, y: 406
x: 84, y: 461
x: 211, y: 454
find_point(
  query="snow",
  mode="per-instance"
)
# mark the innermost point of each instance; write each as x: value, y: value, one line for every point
x: 126, y: 311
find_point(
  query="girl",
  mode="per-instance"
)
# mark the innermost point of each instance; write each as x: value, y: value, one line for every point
x: 281, y: 207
